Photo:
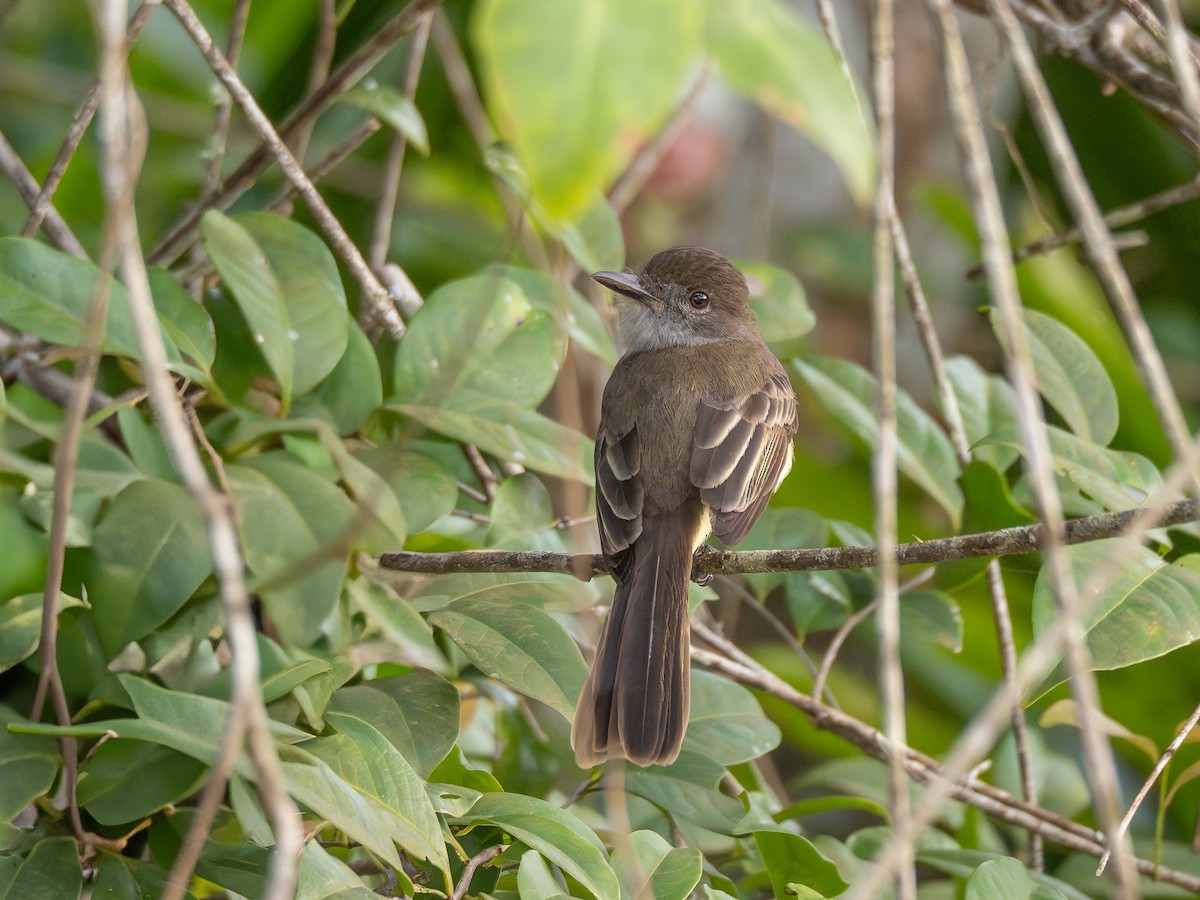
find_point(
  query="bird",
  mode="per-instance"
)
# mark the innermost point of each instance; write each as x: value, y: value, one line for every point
x: 695, y: 435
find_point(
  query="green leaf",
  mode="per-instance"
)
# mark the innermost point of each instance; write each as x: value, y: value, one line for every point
x: 778, y: 301
x: 418, y: 713
x: 47, y: 293
x: 21, y: 625
x: 288, y: 514
x: 257, y: 290
x: 1150, y: 607
x: 127, y: 780
x: 541, y: 589
x: 924, y: 453
x: 29, y: 766
x: 150, y: 554
x: 182, y: 318
x: 726, y: 723
x: 322, y: 876
x: 314, y: 301
x: 688, y: 789
x: 534, y: 878
x: 594, y: 240
x: 792, y: 859
x: 513, y: 433
x: 409, y: 635
x: 351, y: 392
x: 520, y: 646
x: 522, y: 516
x: 575, y: 314
x: 51, y: 870
x: 931, y: 617
x: 478, y: 340
x: 988, y: 410
x: 1110, y: 480
x: 653, y: 868
x: 554, y: 833
x: 398, y: 111
x: 426, y: 489
x: 614, y: 80
x: 1071, y: 377
x: 388, y: 778
x: 764, y: 49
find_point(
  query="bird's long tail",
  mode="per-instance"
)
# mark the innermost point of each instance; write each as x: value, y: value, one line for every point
x: 635, y: 700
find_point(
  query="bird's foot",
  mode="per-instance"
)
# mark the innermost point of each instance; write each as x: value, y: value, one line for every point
x: 701, y: 578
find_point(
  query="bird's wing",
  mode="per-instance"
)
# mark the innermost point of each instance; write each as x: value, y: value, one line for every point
x: 619, y: 492
x: 741, y: 450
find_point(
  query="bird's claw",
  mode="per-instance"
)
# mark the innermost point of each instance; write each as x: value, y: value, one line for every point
x: 701, y: 578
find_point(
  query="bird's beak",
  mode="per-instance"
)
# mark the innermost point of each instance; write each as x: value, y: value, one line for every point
x: 627, y: 285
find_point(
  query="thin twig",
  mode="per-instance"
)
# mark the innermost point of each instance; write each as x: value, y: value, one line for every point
x: 1002, y: 542
x: 183, y: 233
x: 481, y: 858
x: 385, y: 211
x: 884, y: 475
x: 839, y: 638
x: 53, y: 224
x: 41, y: 208
x: 121, y: 118
x: 378, y: 306
x: 487, y: 478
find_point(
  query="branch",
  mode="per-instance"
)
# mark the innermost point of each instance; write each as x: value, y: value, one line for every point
x: 1002, y: 542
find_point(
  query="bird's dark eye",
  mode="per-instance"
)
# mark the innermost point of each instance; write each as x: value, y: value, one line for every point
x: 699, y: 300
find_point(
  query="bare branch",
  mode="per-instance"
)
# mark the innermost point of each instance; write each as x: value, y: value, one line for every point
x: 53, y: 224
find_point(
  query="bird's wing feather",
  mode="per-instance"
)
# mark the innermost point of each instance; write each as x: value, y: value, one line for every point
x: 741, y: 449
x: 619, y: 492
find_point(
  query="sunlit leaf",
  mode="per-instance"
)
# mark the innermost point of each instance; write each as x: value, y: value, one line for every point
x: 765, y: 49
x: 988, y: 410
x: 655, y: 869
x: 778, y: 301
x: 520, y: 646
x: 576, y: 107
x: 1148, y: 608
x: 726, y: 723
x: 924, y: 453
x: 553, y: 832
x: 398, y: 111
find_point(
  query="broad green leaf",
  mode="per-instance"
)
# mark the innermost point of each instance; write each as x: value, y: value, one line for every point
x: 1007, y: 877
x: 122, y: 876
x: 576, y: 106
x: 595, y: 240
x: 541, y: 589
x: 391, y: 781
x: 655, y: 869
x: 256, y: 288
x: 478, y: 339
x: 688, y: 789
x: 150, y: 553
x: 351, y: 392
x: 522, y: 516
x: 726, y: 723
x: 418, y: 713
x: 988, y: 411
x: 409, y: 636
x: 182, y: 318
x: 426, y: 489
x: 554, y: 833
x: 314, y: 300
x: 520, y: 646
x: 778, y: 301
x: 534, y: 878
x: 51, y: 870
x: 1150, y: 607
x: 322, y: 876
x: 764, y: 49
x: 29, y: 766
x: 576, y: 315
x: 398, y: 111
x: 792, y: 859
x: 126, y: 780
x: 145, y: 445
x: 1113, y: 479
x: 924, y: 453
x: 228, y: 858
x: 513, y: 433
x: 1066, y: 712
x: 1071, y: 377
x: 931, y: 617
x: 47, y: 293
x: 21, y: 625
x: 288, y: 514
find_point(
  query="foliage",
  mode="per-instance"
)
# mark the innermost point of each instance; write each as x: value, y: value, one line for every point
x: 423, y: 724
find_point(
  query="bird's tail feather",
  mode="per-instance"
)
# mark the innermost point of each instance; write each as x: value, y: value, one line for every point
x: 635, y: 701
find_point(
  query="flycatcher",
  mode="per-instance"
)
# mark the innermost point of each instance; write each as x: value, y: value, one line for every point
x: 695, y: 435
